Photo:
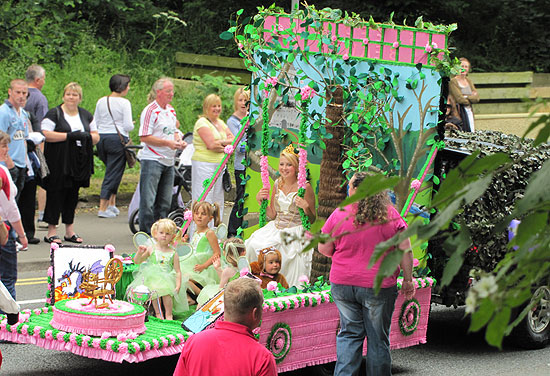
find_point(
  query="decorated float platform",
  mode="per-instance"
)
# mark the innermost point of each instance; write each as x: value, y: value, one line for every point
x: 299, y: 327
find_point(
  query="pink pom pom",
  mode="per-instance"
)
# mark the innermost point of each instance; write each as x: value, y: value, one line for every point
x: 171, y: 338
x: 36, y: 330
x: 415, y: 184
x: 105, y: 335
x: 272, y: 286
x: 366, y: 41
x: 110, y: 344
x: 228, y: 149
x: 50, y: 271
x: 59, y: 336
x: 96, y: 342
x: 132, y: 335
x: 49, y: 334
x: 333, y: 38
x: 303, y: 279
x: 136, y: 346
x: 395, y: 44
x: 428, y: 48
x: 123, y: 348
x: 416, y: 262
x: 110, y: 248
x: 147, y: 345
x: 54, y: 246
x: 155, y: 344
x: 272, y: 308
x: 121, y: 337
x: 72, y: 338
x: 164, y: 342
x: 345, y: 57
x: 85, y: 340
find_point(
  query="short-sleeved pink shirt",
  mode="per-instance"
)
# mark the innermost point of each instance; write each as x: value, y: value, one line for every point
x: 352, y: 252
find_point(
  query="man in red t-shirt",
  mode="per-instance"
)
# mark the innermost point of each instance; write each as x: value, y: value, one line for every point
x: 230, y: 349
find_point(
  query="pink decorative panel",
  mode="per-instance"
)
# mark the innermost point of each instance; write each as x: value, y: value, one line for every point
x: 422, y: 39
x: 284, y: 23
x: 406, y: 37
x: 373, y: 51
x: 390, y: 35
x: 405, y: 55
x: 375, y: 35
x: 388, y: 53
x: 344, y: 31
x: 439, y: 40
x: 359, y: 33
x: 420, y: 56
x: 358, y: 49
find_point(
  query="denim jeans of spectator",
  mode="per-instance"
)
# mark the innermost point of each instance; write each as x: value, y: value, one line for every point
x: 8, y: 263
x: 363, y: 313
x: 155, y: 190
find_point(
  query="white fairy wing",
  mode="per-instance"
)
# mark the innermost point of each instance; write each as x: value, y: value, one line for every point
x: 141, y: 238
x: 242, y: 263
x: 184, y: 250
x: 221, y: 231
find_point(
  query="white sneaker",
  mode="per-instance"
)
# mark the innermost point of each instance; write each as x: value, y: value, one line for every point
x: 113, y: 209
x: 106, y: 214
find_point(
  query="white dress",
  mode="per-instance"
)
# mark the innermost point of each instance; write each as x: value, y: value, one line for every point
x: 295, y: 263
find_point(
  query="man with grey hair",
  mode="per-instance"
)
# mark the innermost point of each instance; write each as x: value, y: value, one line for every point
x: 37, y: 104
x: 160, y: 137
x: 230, y: 348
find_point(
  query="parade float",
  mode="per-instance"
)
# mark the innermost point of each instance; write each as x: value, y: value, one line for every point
x: 349, y: 94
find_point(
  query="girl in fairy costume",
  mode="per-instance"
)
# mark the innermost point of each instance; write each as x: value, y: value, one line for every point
x: 206, y: 249
x: 160, y: 269
x: 233, y: 248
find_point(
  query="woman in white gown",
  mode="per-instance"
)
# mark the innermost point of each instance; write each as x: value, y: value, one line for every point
x: 285, y: 223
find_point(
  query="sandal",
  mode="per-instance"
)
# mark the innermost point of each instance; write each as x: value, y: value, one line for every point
x: 52, y: 239
x: 74, y: 239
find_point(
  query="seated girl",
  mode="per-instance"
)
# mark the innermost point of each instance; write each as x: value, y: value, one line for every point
x: 206, y: 249
x: 233, y: 249
x: 268, y: 266
x: 160, y: 269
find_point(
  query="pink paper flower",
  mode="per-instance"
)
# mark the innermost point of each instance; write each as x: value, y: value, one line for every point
x: 155, y: 344
x: 428, y: 48
x: 13, y: 328
x: 123, y: 348
x: 50, y: 271
x: 136, y: 346
x: 25, y: 330
x: 395, y: 44
x: 132, y: 335
x: 37, y: 311
x: 72, y: 338
x: 181, y: 337
x: 85, y: 340
x: 265, y: 308
x: 240, y: 45
x: 244, y: 272
x: 121, y: 337
x: 272, y: 286
x: 272, y: 308
x: 3, y: 324
x: 434, y: 45
x: 96, y: 342
x: 147, y: 345
x: 188, y: 215
x: 416, y: 262
x: 345, y: 57
x: 366, y: 41
x: 281, y: 305
x: 45, y: 309
x: 303, y: 279
x: 54, y: 246
x: 110, y: 344
x: 228, y: 149
x: 36, y: 330
x: 415, y: 184
x: 171, y: 338
x: 271, y: 81
x: 49, y: 334
x: 60, y: 336
x: 307, y: 92
x: 110, y: 248
x: 164, y: 341
x: 105, y: 335
x: 333, y: 38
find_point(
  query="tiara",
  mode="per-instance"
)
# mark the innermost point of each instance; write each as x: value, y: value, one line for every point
x: 290, y: 149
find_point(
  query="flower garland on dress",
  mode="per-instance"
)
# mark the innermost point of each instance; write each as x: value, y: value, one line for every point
x: 306, y: 93
x: 270, y: 83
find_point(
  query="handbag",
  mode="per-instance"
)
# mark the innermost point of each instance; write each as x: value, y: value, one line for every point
x: 129, y: 154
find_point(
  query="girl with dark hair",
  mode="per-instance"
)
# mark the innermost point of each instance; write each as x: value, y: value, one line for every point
x: 356, y: 230
x: 113, y: 116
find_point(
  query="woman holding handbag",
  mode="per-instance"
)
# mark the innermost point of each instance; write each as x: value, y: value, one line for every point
x: 113, y: 115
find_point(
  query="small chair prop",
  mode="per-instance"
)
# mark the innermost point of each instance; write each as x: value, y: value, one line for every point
x: 96, y: 287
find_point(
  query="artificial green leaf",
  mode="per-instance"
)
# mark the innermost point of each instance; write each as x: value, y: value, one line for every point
x: 226, y: 35
x: 370, y: 186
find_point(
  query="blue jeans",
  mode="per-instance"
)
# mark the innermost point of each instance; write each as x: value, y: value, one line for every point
x: 363, y: 313
x: 155, y: 190
x: 8, y: 263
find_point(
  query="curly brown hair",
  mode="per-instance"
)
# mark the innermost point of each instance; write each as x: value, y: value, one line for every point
x: 373, y: 209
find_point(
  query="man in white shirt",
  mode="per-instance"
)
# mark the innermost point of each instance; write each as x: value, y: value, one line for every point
x: 160, y: 136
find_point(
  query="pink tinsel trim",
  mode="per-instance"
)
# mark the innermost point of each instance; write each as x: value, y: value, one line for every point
x: 228, y: 149
x: 264, y: 171
x: 302, y: 162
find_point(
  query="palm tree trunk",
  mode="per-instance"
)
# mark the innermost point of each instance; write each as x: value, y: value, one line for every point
x: 331, y: 189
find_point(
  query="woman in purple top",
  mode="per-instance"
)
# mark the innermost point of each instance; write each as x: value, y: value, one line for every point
x: 357, y: 229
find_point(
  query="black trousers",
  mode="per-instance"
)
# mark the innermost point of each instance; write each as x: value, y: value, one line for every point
x: 111, y: 153
x: 61, y: 202
x: 27, y: 206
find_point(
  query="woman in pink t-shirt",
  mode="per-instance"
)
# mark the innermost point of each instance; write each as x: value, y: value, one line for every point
x: 357, y: 229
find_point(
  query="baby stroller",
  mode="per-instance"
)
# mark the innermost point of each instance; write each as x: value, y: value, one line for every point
x: 182, y: 181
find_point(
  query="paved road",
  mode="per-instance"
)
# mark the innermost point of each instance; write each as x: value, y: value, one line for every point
x: 450, y: 350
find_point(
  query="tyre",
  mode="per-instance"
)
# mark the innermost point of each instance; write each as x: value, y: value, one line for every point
x: 177, y: 217
x: 133, y: 223
x: 534, y: 330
